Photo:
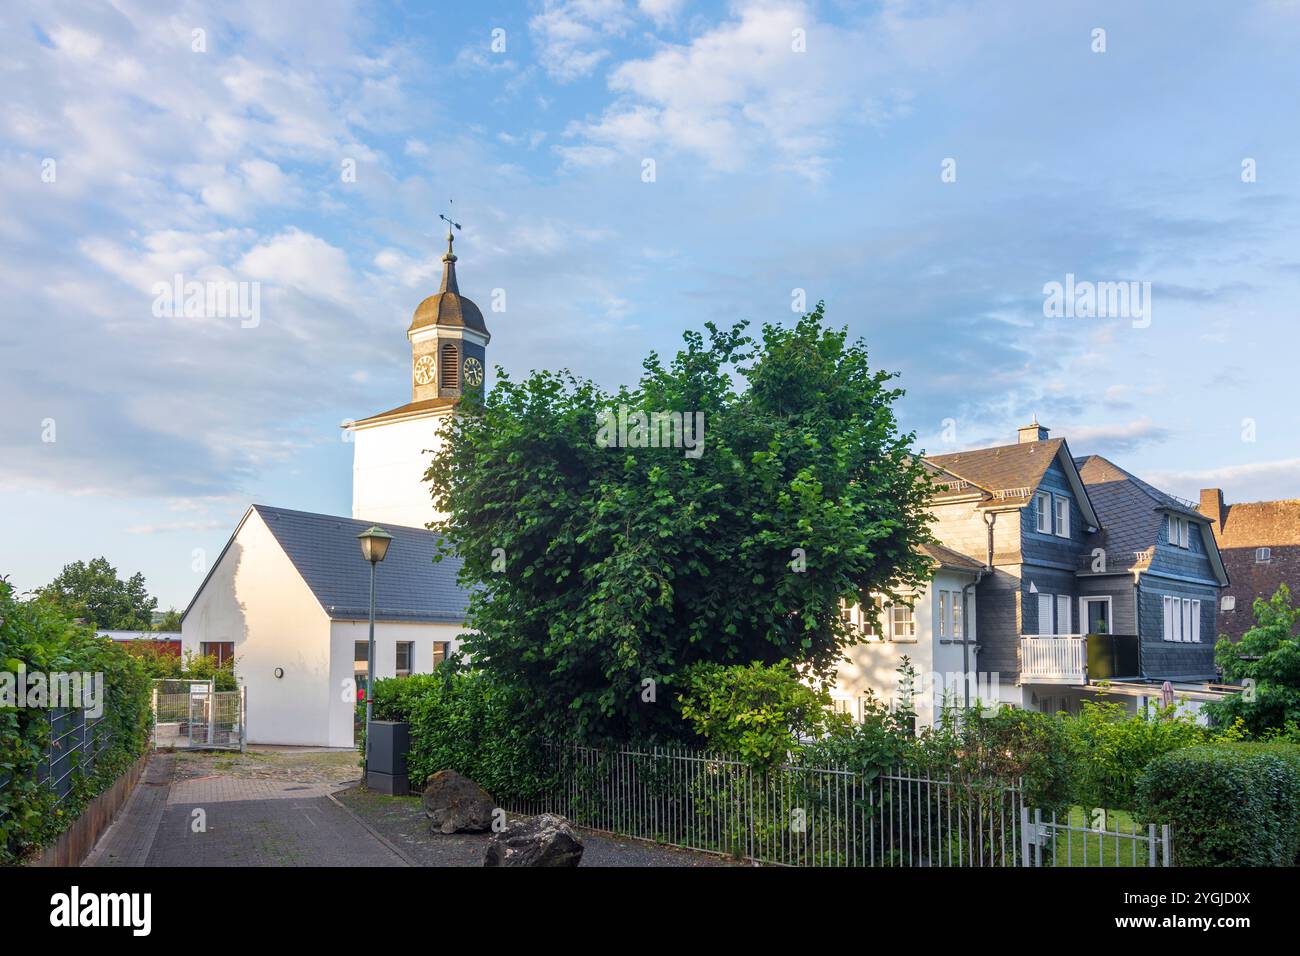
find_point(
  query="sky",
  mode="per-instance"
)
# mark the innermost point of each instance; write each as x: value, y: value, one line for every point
x: 624, y: 171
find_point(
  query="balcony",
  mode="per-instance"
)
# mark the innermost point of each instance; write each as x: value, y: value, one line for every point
x: 1078, y: 658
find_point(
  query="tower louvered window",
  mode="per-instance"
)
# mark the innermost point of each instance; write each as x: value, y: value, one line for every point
x: 450, y: 365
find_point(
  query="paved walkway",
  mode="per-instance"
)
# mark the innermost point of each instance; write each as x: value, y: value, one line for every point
x: 279, y: 808
x: 224, y: 820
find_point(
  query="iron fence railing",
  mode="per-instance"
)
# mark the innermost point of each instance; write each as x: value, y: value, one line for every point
x: 789, y: 815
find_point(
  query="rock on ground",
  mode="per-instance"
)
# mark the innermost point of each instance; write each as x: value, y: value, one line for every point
x: 456, y: 804
x: 543, y: 840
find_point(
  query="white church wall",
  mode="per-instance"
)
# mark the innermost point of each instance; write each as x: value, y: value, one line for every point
x: 343, y: 638
x: 256, y: 599
x: 388, y: 465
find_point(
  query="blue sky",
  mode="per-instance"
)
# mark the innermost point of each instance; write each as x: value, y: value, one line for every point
x: 775, y: 169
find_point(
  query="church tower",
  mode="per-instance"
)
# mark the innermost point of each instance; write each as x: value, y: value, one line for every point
x: 392, y: 450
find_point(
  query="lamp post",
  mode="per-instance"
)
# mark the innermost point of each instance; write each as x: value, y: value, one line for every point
x: 374, y: 545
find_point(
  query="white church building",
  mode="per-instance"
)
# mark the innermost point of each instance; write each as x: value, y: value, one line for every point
x: 289, y: 595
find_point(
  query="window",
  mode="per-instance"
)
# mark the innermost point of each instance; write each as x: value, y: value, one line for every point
x: 856, y: 617
x: 1179, y: 531
x: 1182, y: 619
x: 449, y: 366
x: 403, y: 662
x: 1196, y: 622
x: 904, y: 624
x: 1187, y: 619
x: 1229, y: 603
x: 439, y: 652
x: 943, y: 614
x: 956, y: 616
x: 1168, y: 609
x: 223, y: 651
x: 1263, y: 555
x: 1062, y: 517
x: 1063, y: 614
x: 1043, y: 511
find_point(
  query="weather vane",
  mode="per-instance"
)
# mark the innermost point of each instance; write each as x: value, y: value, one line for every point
x: 448, y: 220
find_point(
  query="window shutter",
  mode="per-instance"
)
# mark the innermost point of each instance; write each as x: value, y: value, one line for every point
x: 1187, y: 619
x: 1063, y: 614
x: 1042, y: 510
x: 1169, y: 618
x: 1173, y: 530
x: 1044, y: 614
x: 1196, y: 621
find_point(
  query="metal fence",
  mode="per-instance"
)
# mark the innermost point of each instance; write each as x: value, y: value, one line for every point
x: 76, y: 742
x: 1109, y: 839
x: 789, y: 815
x: 192, y: 714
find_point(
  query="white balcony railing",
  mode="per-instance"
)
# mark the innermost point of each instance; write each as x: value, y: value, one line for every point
x: 1053, y: 659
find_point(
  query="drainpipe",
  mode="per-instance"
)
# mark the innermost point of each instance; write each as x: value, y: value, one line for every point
x: 989, y: 518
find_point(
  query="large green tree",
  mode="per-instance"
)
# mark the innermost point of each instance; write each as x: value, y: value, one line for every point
x: 601, y: 573
x: 1268, y: 655
x: 94, y: 592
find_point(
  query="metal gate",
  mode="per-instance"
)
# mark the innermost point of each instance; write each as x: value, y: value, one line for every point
x: 1104, y: 842
x: 194, y: 715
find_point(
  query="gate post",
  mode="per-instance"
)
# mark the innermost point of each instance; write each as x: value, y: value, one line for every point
x: 155, y: 716
x: 1024, y: 836
x: 243, y: 716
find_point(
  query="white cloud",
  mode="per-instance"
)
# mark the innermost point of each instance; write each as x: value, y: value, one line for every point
x: 1123, y: 436
x: 1253, y: 481
x: 300, y: 260
x: 572, y: 36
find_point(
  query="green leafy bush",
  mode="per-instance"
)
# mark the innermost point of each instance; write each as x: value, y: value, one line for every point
x: 1269, y: 655
x: 1111, y: 749
x: 756, y: 712
x: 161, y: 664
x: 980, y: 750
x: 1229, y: 804
x: 38, y: 637
x: 461, y: 720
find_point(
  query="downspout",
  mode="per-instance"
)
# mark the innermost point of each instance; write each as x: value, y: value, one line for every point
x: 989, y: 518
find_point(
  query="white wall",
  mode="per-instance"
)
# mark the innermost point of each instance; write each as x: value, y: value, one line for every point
x: 344, y: 634
x: 874, y: 664
x: 388, y: 466
x: 256, y: 598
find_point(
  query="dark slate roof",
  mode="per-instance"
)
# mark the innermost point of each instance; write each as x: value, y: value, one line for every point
x: 1011, y: 471
x: 948, y: 558
x: 408, y: 585
x: 1131, y: 513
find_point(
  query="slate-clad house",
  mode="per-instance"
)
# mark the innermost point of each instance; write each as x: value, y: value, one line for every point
x: 1162, y: 571
x: 1087, y: 573
x: 1260, y: 544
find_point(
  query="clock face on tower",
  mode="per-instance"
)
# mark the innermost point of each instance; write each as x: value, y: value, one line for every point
x: 473, y: 372
x: 424, y: 370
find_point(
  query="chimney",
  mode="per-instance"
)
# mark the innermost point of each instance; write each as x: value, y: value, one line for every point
x: 1032, y: 432
x: 1212, y: 507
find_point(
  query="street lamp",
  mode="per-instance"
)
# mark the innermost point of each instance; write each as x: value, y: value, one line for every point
x: 374, y: 546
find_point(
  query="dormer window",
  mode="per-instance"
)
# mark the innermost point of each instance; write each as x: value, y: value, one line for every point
x: 1179, y: 531
x: 1043, y: 512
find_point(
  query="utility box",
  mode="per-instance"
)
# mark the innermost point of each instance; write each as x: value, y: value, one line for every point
x: 386, y: 771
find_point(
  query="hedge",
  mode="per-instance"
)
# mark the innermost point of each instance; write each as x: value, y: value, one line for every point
x: 39, y: 638
x: 1229, y: 804
x: 460, y: 720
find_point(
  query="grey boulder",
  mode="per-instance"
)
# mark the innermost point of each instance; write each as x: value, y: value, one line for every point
x: 543, y: 840
x: 455, y: 804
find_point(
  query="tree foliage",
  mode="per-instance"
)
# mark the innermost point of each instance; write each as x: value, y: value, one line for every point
x: 602, y: 573
x: 1269, y: 656
x: 96, y: 594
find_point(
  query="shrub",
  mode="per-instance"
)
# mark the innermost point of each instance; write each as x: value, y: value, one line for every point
x: 1009, y: 746
x: 1229, y: 804
x: 756, y: 712
x: 1111, y: 749
x: 1269, y: 655
x: 461, y: 720
x: 40, y: 638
